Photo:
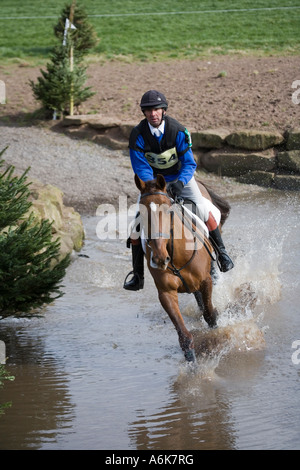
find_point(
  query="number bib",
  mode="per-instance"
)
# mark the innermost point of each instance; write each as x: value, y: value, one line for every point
x: 163, y: 160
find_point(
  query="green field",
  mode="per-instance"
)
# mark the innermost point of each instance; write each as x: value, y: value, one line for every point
x: 146, y: 30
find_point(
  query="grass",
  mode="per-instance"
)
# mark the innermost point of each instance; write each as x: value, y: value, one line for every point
x: 198, y: 28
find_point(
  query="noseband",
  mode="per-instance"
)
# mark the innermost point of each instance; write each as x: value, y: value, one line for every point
x: 159, y: 234
x: 161, y: 193
x: 173, y: 268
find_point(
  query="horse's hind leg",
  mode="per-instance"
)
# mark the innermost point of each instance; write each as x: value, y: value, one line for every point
x: 169, y: 301
x: 209, y: 312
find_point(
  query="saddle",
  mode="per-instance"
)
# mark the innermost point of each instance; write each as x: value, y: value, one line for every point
x: 187, y: 211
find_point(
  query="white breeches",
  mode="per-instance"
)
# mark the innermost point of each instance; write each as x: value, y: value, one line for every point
x: 192, y: 192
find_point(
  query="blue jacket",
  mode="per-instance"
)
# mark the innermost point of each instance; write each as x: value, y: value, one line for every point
x: 147, y: 150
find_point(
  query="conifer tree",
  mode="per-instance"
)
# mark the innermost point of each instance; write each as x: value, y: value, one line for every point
x: 62, y: 83
x: 4, y: 375
x: 57, y: 82
x: 30, y: 272
x: 14, y: 195
x: 84, y: 36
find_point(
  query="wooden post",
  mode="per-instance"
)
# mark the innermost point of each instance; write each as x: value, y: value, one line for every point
x: 72, y: 84
x: 71, y: 19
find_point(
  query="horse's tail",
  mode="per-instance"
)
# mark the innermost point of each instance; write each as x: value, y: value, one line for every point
x: 220, y: 202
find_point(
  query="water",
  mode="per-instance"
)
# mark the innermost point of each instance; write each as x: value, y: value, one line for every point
x: 102, y: 368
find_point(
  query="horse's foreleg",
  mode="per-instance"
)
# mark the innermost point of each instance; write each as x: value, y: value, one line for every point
x: 210, y: 314
x: 199, y: 300
x: 169, y: 301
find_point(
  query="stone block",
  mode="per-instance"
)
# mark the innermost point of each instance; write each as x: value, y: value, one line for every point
x: 254, y: 140
x: 287, y: 182
x: 126, y: 128
x: 289, y: 160
x: 110, y: 141
x: 259, y: 178
x: 233, y: 163
x: 96, y: 121
x: 211, y: 138
x: 293, y: 139
x: 47, y: 203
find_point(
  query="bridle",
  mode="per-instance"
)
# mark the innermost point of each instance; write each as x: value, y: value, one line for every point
x: 154, y: 194
x: 170, y: 236
x: 158, y: 234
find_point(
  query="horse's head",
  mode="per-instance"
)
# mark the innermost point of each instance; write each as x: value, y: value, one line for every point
x: 151, y: 186
x: 155, y: 215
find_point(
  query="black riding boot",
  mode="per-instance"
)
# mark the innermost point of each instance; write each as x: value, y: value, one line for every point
x: 225, y: 263
x: 137, y: 281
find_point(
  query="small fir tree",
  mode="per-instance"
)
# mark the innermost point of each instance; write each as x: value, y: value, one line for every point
x: 84, y: 36
x: 61, y: 85
x: 30, y: 271
x: 4, y: 375
x: 58, y: 82
x: 14, y: 195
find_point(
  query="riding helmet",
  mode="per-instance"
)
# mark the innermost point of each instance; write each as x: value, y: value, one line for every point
x: 153, y: 99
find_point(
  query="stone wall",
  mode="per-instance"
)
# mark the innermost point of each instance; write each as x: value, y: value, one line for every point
x: 264, y: 158
x: 256, y: 157
x: 47, y: 203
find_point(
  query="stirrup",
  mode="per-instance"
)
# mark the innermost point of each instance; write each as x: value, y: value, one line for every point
x: 136, y: 283
x: 225, y: 263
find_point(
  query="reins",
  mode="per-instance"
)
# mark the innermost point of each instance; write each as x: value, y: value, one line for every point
x: 183, y: 213
x: 191, y: 229
x: 158, y: 234
x: 176, y: 271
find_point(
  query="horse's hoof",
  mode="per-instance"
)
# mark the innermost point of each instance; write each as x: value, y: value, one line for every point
x: 190, y: 355
x: 211, y: 322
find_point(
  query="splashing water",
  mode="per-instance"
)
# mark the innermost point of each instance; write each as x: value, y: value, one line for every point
x: 254, y: 281
x: 241, y: 296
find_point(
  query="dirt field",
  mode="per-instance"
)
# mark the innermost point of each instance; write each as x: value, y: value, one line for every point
x: 217, y: 92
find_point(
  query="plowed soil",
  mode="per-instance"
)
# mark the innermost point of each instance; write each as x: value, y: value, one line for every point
x: 217, y: 92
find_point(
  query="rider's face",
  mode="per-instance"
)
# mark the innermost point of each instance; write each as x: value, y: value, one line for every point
x: 154, y: 116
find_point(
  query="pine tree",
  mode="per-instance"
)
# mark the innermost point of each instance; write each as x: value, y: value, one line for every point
x: 84, y: 36
x: 13, y: 196
x: 61, y: 85
x: 56, y: 84
x: 30, y: 272
x: 4, y: 375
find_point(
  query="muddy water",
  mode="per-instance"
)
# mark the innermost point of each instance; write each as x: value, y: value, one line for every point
x: 102, y: 368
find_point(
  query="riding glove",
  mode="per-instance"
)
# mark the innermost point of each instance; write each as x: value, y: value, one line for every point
x: 175, y: 189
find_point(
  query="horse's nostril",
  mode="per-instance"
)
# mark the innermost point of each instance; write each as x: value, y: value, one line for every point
x: 167, y: 260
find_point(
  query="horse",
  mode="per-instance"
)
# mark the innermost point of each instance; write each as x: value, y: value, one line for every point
x: 182, y: 263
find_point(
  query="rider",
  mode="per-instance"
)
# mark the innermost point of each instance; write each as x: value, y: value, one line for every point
x: 160, y: 144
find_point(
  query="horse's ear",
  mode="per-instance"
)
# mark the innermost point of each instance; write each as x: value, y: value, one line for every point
x: 139, y: 183
x: 161, y: 182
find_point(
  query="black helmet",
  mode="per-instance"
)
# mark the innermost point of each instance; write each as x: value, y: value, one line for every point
x: 153, y: 99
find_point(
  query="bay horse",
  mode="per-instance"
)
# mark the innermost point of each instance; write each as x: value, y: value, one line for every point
x: 181, y: 263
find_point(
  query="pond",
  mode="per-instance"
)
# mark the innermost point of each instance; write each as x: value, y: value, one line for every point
x: 102, y: 367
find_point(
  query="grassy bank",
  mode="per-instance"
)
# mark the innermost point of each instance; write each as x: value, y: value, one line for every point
x: 149, y: 31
